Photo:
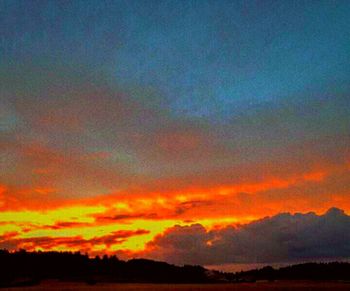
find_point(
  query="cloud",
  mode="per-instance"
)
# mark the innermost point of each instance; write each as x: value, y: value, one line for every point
x: 10, y: 241
x: 239, y: 201
x: 281, y: 238
x: 124, y: 217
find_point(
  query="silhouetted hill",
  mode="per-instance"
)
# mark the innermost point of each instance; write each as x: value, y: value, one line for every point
x: 29, y: 268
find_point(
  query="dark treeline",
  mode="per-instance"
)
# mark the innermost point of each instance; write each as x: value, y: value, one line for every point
x: 29, y: 268
x: 25, y: 268
x: 339, y: 271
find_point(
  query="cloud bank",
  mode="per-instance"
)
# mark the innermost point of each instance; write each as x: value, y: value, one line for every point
x: 281, y: 238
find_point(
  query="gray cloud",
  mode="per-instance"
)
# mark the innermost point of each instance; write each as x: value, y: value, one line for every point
x: 281, y: 238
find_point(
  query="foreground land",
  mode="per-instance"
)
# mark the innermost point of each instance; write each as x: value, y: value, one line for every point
x: 73, y: 271
x: 258, y: 286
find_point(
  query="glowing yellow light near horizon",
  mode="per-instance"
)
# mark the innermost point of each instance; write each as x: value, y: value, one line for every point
x: 181, y: 198
x: 222, y: 222
x: 78, y: 214
x: 153, y: 226
x: 9, y: 227
x: 81, y: 214
x: 121, y: 205
x: 161, y: 200
x: 37, y: 224
x: 30, y: 220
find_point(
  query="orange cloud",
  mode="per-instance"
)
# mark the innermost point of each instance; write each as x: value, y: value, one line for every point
x: 11, y: 241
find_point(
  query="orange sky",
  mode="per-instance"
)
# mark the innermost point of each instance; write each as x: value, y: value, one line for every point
x: 35, y: 218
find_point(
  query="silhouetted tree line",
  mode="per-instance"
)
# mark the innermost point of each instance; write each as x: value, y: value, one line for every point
x: 308, y: 271
x: 29, y: 268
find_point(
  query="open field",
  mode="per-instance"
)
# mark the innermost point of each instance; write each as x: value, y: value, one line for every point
x: 259, y: 286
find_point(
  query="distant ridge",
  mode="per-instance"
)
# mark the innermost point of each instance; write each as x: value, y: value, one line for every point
x: 24, y: 268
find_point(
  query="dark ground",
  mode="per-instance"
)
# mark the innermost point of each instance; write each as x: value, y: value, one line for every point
x: 258, y: 286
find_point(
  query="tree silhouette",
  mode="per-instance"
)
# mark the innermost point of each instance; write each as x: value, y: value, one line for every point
x: 29, y: 268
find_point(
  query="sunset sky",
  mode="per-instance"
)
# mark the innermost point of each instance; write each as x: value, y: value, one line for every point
x: 195, y: 132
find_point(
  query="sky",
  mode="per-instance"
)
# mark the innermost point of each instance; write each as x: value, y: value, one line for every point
x: 195, y: 132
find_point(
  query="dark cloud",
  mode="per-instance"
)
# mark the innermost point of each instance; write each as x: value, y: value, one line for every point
x: 281, y: 238
x: 66, y: 224
x: 189, y: 205
x: 125, y: 217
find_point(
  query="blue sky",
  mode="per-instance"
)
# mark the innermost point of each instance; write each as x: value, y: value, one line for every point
x: 206, y: 58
